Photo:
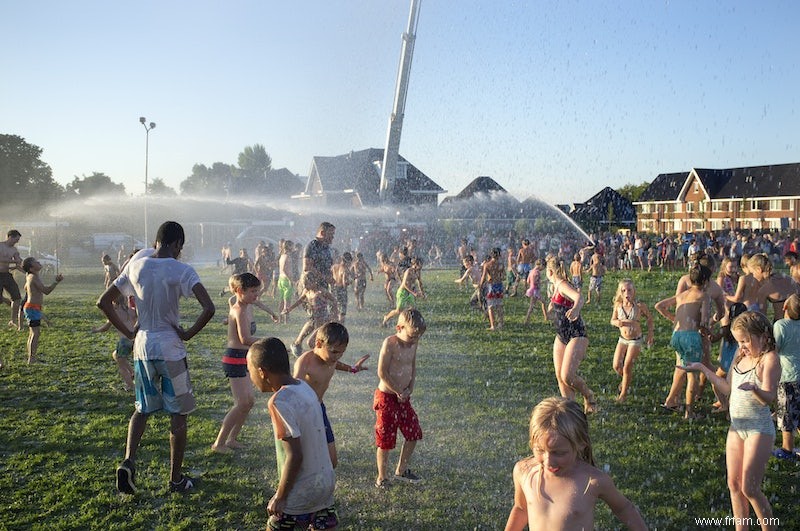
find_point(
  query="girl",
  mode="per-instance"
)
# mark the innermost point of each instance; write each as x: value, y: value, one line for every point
x: 727, y: 351
x: 285, y: 285
x: 728, y: 278
x: 558, y: 486
x: 752, y: 384
x: 747, y: 287
x: 570, y: 343
x: 774, y: 288
x: 534, y: 290
x: 627, y: 315
x: 241, y: 328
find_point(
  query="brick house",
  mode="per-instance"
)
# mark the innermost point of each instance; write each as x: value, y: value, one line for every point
x: 757, y: 197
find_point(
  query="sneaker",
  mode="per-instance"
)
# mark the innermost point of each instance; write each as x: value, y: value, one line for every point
x: 383, y: 484
x: 126, y: 473
x: 184, y: 485
x: 780, y: 453
x: 296, y: 350
x: 409, y: 476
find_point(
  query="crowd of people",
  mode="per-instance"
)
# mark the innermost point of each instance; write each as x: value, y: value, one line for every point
x: 731, y: 286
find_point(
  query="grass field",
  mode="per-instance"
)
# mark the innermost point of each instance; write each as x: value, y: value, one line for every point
x: 63, y: 424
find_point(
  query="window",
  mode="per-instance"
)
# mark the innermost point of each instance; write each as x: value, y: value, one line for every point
x: 690, y: 206
x: 678, y: 207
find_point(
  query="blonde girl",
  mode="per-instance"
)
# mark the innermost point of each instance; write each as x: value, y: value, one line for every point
x: 752, y: 384
x: 627, y: 315
x: 546, y: 485
x: 570, y: 343
x: 747, y: 287
x: 728, y: 278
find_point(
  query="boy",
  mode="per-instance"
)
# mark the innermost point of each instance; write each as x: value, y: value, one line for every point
x: 304, y: 497
x: 473, y: 272
x: 597, y: 270
x: 342, y: 278
x: 787, y: 342
x: 36, y: 290
x: 320, y: 305
x: 110, y: 271
x: 360, y: 270
x: 124, y: 348
x: 157, y: 280
x: 397, y: 370
x: 406, y: 295
x: 691, y: 318
x: 316, y: 368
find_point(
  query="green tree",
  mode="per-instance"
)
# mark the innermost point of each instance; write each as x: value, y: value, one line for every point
x: 254, y: 165
x: 632, y: 192
x: 218, y: 180
x: 158, y: 187
x: 24, y: 178
x: 95, y: 184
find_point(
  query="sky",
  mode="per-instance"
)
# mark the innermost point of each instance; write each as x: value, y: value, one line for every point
x: 551, y: 99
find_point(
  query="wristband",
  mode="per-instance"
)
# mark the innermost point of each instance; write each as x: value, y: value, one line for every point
x: 353, y: 369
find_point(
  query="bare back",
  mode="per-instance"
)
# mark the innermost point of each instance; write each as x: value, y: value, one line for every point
x: 315, y: 372
x: 691, y: 309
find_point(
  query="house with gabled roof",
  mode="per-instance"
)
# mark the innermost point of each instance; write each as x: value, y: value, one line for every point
x: 482, y: 197
x: 605, y: 209
x: 283, y: 183
x: 353, y: 180
x: 754, y: 197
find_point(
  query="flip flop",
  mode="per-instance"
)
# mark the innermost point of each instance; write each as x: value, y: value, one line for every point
x: 673, y: 409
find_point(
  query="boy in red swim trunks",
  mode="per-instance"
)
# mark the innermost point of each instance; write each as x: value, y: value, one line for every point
x: 397, y: 370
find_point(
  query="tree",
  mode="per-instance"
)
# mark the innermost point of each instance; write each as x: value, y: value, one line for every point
x: 95, y: 184
x: 254, y: 165
x: 218, y: 180
x: 632, y: 192
x: 158, y: 187
x: 24, y: 177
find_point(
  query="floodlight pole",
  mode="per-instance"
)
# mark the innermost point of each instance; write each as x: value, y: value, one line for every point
x: 147, y: 129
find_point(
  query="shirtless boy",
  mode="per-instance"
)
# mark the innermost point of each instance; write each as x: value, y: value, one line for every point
x: 397, y: 370
x: 36, y: 291
x: 316, y: 367
x: 525, y: 257
x: 10, y: 260
x: 342, y: 278
x: 360, y: 269
x: 691, y: 318
x: 597, y: 270
x: 491, y: 284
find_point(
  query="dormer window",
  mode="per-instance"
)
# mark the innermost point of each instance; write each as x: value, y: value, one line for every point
x: 748, y: 179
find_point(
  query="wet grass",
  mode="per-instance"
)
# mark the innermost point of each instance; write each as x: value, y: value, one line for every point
x: 64, y: 424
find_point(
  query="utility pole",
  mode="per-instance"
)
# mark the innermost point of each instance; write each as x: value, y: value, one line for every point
x: 392, y: 151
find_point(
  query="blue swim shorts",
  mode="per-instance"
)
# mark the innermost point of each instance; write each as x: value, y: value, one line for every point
x: 688, y: 345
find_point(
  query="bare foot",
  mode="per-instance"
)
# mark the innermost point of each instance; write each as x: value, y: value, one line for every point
x: 234, y: 444
x: 621, y: 398
x: 221, y: 449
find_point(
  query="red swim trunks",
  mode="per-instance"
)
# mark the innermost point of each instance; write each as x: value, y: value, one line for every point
x: 392, y: 414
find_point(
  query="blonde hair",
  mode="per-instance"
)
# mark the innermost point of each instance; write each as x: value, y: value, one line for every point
x: 618, y: 296
x: 556, y: 266
x: 755, y: 324
x: 761, y: 262
x: 566, y: 418
x: 743, y: 262
x: 792, y: 307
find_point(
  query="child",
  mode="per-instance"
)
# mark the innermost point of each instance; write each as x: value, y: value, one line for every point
x: 342, y: 278
x: 534, y: 290
x: 727, y: 351
x: 511, y: 272
x: 304, y: 497
x: 241, y: 327
x: 751, y: 386
x: 472, y: 273
x: 692, y: 308
x: 397, y: 370
x: 387, y: 267
x: 491, y: 283
x: 35, y: 291
x: 787, y: 342
x: 124, y: 348
x: 571, y: 342
x: 360, y: 270
x: 576, y: 271
x: 110, y: 271
x: 285, y: 286
x: 596, y: 270
x: 317, y: 301
x: 558, y: 486
x: 410, y: 288
x: 627, y: 315
x: 316, y: 367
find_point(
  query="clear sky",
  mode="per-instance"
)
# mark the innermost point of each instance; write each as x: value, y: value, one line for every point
x: 553, y: 99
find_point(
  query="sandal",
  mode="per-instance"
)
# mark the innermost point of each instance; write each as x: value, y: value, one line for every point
x: 672, y: 409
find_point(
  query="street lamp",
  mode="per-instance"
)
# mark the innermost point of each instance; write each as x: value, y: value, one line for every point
x: 147, y: 129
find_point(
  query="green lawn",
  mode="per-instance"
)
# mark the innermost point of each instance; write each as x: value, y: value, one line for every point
x: 63, y: 425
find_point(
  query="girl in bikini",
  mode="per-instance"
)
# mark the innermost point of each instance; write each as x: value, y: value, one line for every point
x: 774, y: 288
x: 627, y: 315
x: 752, y: 384
x: 570, y: 344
